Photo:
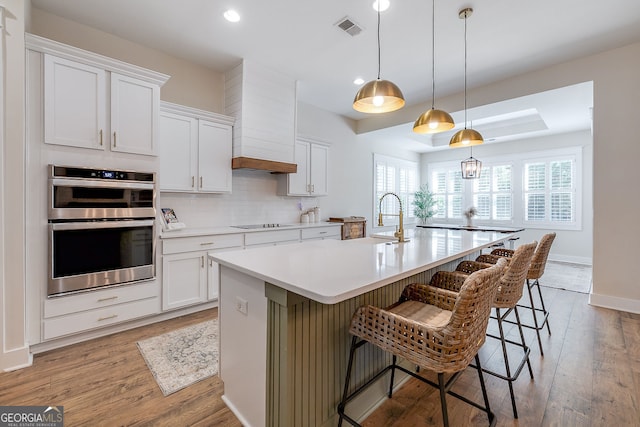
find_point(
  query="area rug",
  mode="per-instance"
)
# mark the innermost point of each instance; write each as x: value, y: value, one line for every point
x: 182, y: 357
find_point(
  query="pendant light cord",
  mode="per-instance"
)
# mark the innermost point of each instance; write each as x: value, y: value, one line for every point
x: 379, y: 39
x: 433, y: 54
x: 465, y: 70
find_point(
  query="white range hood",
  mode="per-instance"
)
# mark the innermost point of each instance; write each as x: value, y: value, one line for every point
x: 263, y: 101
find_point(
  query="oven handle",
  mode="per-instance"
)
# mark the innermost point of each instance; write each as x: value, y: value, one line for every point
x: 68, y: 182
x: 100, y: 224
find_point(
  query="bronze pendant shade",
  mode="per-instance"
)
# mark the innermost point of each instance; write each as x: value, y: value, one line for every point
x: 433, y: 121
x: 378, y: 96
x: 465, y: 137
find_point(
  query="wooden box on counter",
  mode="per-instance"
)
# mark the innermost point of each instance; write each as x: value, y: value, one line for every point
x: 353, y: 227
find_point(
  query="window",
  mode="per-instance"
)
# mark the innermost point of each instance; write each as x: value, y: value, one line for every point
x: 536, y: 189
x: 549, y: 191
x: 492, y: 193
x: 397, y: 176
x: 447, y: 187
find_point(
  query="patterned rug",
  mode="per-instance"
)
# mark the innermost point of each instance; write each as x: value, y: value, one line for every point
x: 182, y: 357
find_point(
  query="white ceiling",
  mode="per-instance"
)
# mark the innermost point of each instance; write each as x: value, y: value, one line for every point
x: 505, y: 38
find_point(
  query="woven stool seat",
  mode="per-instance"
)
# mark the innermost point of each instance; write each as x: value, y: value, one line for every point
x: 433, y: 328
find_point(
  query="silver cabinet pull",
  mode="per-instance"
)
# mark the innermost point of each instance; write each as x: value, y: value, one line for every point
x: 101, y: 137
x: 202, y: 261
x: 113, y: 316
x: 200, y: 182
x: 107, y: 298
x: 193, y: 181
x: 206, y: 243
x: 114, y: 139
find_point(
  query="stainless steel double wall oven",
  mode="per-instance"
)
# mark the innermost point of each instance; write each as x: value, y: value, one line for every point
x: 101, y: 228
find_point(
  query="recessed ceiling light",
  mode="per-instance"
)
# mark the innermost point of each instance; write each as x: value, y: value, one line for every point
x: 358, y: 81
x: 384, y: 5
x: 231, y: 15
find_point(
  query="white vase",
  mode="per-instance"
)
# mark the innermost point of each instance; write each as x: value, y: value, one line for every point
x: 469, y: 222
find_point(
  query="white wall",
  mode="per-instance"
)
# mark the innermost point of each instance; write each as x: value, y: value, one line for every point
x: 570, y: 246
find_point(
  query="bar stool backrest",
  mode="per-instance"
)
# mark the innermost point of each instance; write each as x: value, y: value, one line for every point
x: 539, y: 260
x: 514, y: 276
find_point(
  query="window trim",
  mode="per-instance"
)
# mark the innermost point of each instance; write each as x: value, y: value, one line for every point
x: 408, y: 216
x: 517, y: 161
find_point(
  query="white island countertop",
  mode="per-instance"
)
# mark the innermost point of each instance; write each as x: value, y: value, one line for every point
x: 331, y: 271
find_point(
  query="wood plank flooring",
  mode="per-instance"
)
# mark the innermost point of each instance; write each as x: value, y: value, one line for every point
x: 105, y: 382
x: 589, y: 376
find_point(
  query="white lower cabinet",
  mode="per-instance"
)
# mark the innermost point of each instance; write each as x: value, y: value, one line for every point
x: 188, y: 276
x: 184, y: 279
x: 81, y: 312
x: 321, y: 233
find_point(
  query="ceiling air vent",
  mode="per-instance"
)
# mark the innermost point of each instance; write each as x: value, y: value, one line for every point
x: 347, y: 25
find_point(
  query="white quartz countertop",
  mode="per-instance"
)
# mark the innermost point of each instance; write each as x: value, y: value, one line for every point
x: 331, y: 271
x: 212, y: 231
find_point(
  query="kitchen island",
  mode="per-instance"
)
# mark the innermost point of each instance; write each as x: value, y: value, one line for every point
x: 285, y: 312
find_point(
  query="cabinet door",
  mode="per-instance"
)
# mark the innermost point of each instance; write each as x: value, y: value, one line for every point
x: 134, y: 112
x: 177, y: 148
x: 298, y: 183
x: 319, y: 160
x: 214, y: 157
x: 74, y: 104
x: 184, y: 279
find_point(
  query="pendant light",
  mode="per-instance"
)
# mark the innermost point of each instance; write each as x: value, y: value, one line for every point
x: 378, y: 96
x: 433, y: 121
x: 471, y: 167
x: 465, y: 137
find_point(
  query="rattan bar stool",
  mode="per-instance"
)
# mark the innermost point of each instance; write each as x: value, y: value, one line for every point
x: 536, y: 270
x: 509, y: 293
x: 432, y: 328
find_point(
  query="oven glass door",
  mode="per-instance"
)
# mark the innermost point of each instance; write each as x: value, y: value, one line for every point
x: 91, y: 254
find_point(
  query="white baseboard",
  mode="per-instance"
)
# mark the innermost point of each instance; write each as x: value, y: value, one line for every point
x: 235, y: 411
x: 15, y: 359
x: 571, y: 259
x: 616, y: 303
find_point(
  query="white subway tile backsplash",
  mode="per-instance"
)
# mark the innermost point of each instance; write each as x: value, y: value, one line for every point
x: 253, y: 200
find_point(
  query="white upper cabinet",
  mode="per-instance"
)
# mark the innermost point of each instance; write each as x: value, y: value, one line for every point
x: 74, y: 104
x: 195, y: 150
x: 311, y: 179
x: 214, y: 156
x: 91, y: 101
x: 134, y: 115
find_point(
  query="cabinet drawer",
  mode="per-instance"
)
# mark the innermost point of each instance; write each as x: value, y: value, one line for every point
x: 320, y: 232
x: 86, y: 320
x: 262, y: 237
x: 101, y: 298
x: 200, y: 243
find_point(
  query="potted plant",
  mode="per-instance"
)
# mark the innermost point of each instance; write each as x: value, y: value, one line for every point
x: 424, y: 204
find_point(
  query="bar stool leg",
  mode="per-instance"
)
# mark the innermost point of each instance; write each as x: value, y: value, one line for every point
x: 484, y: 392
x: 524, y: 345
x: 503, y: 342
x: 544, y: 309
x: 345, y: 393
x: 443, y: 401
x: 393, y: 371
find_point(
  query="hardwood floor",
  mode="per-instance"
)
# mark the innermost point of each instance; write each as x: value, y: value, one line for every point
x: 589, y: 376
x: 105, y: 382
